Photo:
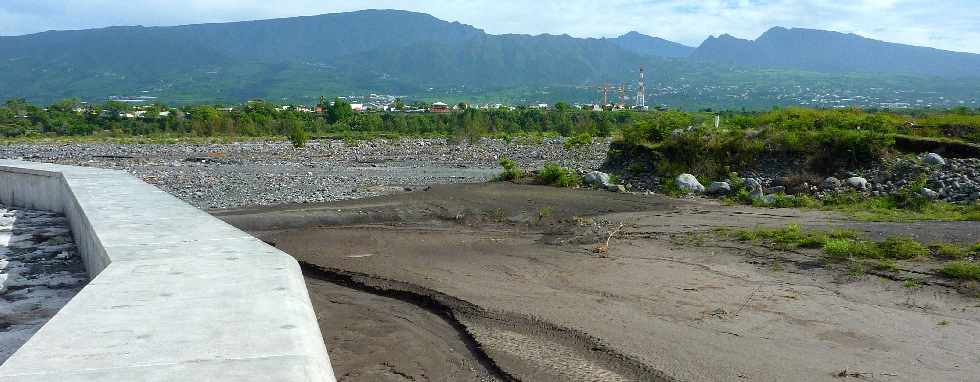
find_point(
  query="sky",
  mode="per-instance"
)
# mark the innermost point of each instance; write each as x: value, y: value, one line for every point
x: 944, y: 24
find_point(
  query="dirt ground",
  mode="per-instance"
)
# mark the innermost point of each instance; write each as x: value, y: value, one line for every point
x: 503, y: 282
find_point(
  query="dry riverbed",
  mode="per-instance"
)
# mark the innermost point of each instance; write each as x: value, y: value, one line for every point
x: 242, y: 174
x: 508, y: 282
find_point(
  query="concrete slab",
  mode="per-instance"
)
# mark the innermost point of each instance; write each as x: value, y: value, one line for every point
x: 178, y: 294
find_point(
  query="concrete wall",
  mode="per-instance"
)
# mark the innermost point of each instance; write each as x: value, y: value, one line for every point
x: 176, y: 294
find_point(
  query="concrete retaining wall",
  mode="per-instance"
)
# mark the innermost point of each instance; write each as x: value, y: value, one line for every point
x: 176, y: 294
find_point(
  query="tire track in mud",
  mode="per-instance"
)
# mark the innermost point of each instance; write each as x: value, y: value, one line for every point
x: 511, y: 347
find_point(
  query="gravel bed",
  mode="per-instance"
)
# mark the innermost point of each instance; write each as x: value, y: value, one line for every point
x: 265, y: 173
x: 39, y: 272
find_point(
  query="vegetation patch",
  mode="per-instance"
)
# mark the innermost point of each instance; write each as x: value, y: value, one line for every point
x: 951, y: 251
x: 512, y: 171
x: 962, y: 270
x: 902, y: 247
x: 555, y: 175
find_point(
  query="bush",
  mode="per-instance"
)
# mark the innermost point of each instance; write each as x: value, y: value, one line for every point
x: 963, y: 270
x: 900, y: 247
x: 555, y: 175
x: 512, y: 171
x: 298, y: 136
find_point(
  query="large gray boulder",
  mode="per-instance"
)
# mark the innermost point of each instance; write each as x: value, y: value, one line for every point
x: 831, y: 183
x: 857, y: 182
x: 596, y: 179
x: 934, y: 159
x: 689, y: 183
x: 719, y: 188
x: 933, y: 195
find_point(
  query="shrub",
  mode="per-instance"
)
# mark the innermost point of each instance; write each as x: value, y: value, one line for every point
x: 512, y: 171
x: 555, y: 175
x: 976, y: 247
x: 963, y: 270
x: 901, y: 247
x: 298, y: 136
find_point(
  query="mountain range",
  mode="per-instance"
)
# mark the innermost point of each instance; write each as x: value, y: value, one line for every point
x: 417, y: 55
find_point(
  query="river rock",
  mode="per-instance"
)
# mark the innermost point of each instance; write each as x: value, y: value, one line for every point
x: 831, y: 183
x: 857, y: 182
x: 929, y: 193
x: 719, y: 188
x: 596, y: 179
x: 755, y: 188
x: 934, y: 159
x: 689, y: 183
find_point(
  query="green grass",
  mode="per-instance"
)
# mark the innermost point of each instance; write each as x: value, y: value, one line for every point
x: 962, y: 270
x: 884, y: 209
x: 790, y: 237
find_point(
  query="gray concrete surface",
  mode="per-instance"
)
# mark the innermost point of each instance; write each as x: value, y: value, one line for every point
x: 175, y: 294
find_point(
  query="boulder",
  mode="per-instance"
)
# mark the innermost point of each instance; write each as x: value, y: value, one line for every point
x: 596, y: 179
x: 831, y: 183
x: 689, y: 183
x: 857, y: 182
x: 616, y: 188
x: 934, y: 159
x: 933, y: 195
x: 719, y: 188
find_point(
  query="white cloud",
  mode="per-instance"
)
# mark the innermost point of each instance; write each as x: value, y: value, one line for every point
x: 948, y: 25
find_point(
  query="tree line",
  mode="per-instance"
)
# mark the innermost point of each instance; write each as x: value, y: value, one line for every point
x: 19, y: 118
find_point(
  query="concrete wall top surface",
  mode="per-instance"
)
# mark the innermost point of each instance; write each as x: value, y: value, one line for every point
x: 175, y: 295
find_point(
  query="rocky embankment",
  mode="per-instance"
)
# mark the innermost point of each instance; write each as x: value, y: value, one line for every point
x: 265, y: 173
x: 954, y: 180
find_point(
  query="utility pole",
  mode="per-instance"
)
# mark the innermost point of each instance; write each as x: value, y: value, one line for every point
x: 622, y: 96
x: 641, y: 98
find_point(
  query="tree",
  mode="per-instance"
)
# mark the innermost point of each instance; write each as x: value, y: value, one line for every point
x: 562, y: 106
x: 340, y: 111
x: 398, y: 104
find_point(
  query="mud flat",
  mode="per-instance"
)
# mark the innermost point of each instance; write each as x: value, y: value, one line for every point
x: 504, y: 282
